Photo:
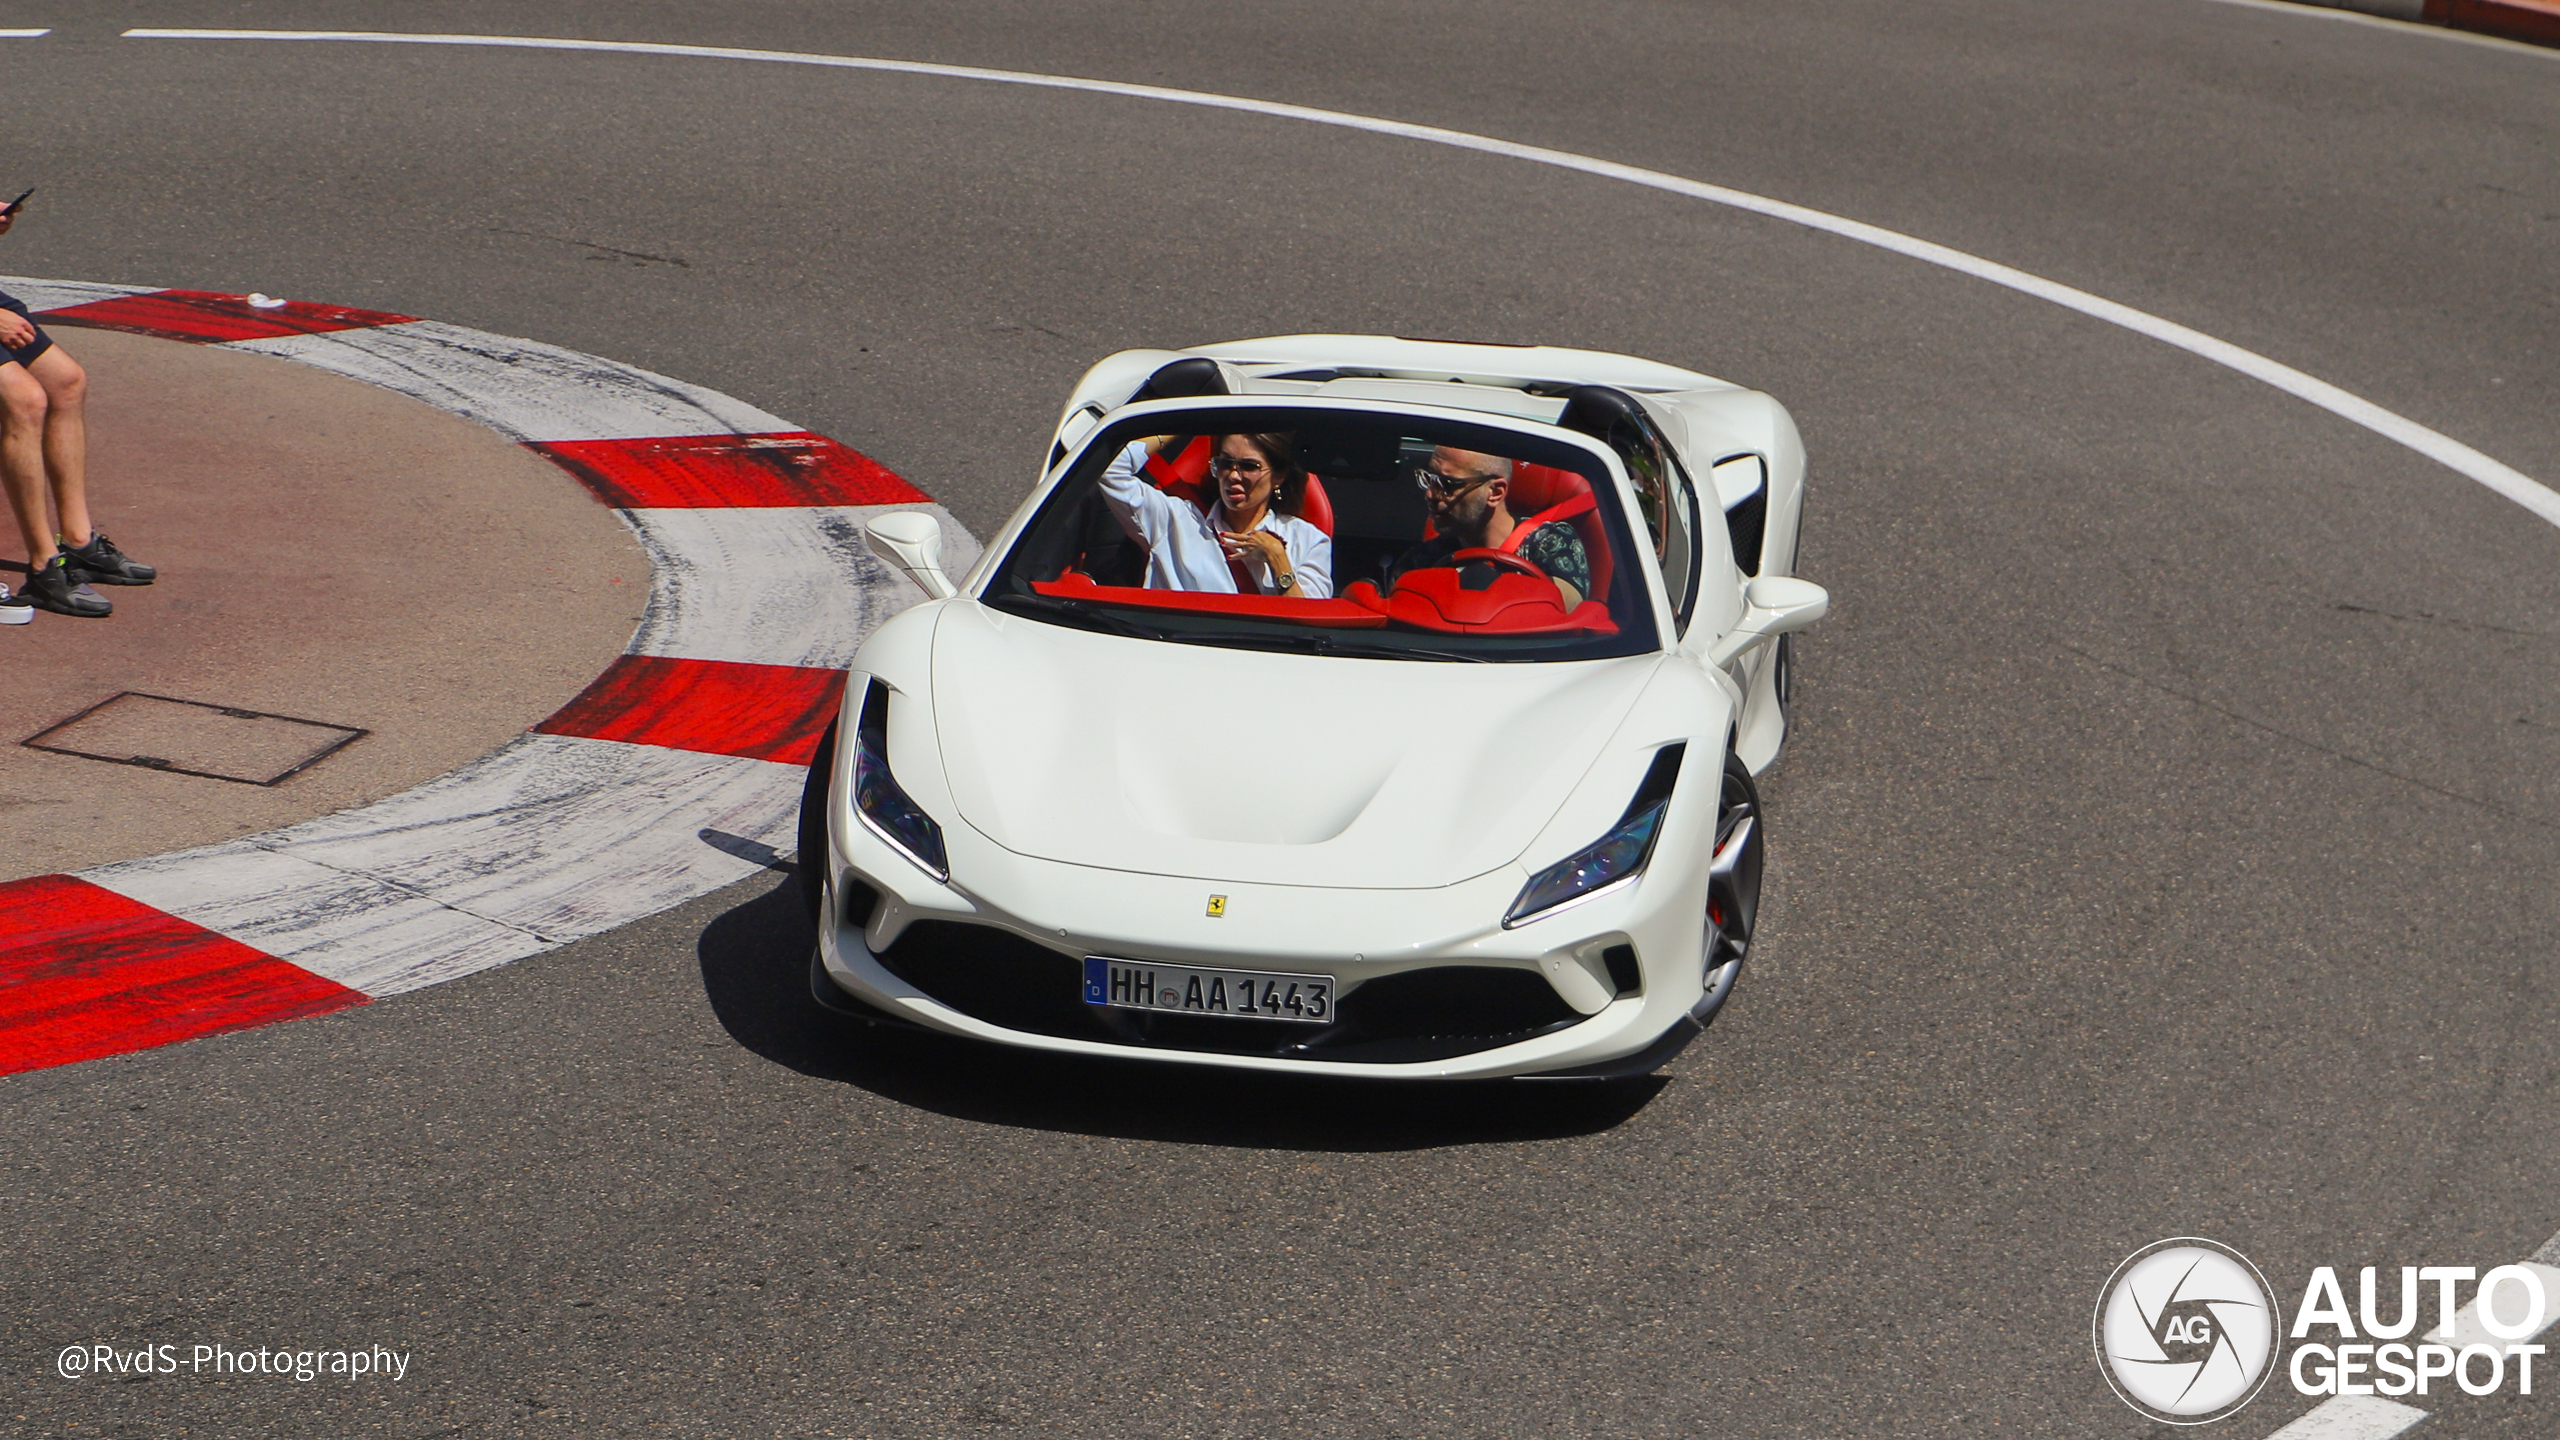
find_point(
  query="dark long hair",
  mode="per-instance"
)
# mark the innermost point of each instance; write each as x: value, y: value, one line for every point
x: 1279, y: 451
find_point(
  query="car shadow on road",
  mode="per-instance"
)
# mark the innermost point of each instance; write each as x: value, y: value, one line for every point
x: 755, y: 972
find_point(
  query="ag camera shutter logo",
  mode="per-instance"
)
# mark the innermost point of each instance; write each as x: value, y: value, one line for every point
x: 2186, y: 1330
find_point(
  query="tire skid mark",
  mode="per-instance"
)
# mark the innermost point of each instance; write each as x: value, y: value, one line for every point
x: 362, y: 931
x: 559, y: 835
x: 775, y: 587
x: 528, y: 391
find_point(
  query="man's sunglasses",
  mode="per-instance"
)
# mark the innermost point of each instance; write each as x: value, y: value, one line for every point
x: 1447, y: 487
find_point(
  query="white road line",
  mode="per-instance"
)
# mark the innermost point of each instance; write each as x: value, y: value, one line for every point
x: 2453, y: 454
x: 522, y: 389
x: 2319, y: 10
x: 2467, y: 1329
x: 22, y: 35
x: 774, y: 587
x: 2352, y: 1417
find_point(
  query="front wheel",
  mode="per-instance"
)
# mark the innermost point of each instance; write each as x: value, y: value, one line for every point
x: 1733, y: 886
x: 813, y: 826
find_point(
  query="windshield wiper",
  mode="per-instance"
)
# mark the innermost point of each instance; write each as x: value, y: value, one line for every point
x: 1295, y: 642
x: 1400, y: 652
x: 1081, y: 612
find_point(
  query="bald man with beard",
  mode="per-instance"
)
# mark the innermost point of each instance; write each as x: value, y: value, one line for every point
x: 1469, y: 494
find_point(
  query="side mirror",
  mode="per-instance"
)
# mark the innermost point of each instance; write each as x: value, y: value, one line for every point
x: 1772, y: 606
x: 912, y: 541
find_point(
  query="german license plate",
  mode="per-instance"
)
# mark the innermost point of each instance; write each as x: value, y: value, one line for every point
x: 1190, y: 990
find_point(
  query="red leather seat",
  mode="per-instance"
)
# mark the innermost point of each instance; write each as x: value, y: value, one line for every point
x: 1185, y: 473
x: 1315, y: 507
x: 1536, y: 489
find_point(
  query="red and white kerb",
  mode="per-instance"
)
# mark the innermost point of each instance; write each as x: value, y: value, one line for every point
x: 677, y: 772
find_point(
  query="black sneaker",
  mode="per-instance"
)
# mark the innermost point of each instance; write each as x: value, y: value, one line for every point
x: 100, y: 562
x: 55, y: 586
x: 15, y: 609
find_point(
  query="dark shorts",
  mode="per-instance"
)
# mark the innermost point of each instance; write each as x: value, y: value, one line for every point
x: 24, y: 354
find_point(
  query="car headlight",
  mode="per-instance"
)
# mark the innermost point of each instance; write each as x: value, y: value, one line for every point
x: 886, y: 810
x: 1614, y: 860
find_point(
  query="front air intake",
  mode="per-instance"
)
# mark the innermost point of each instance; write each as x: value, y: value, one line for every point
x: 1624, y: 972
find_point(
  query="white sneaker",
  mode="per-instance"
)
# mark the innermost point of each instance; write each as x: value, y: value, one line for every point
x: 15, y: 609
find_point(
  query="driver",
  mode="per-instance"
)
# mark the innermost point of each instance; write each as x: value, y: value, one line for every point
x: 1243, y: 539
x: 1469, y: 495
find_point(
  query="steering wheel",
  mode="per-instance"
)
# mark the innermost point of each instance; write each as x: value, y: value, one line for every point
x: 1500, y: 560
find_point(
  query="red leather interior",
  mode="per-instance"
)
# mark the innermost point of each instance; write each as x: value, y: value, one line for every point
x: 1315, y: 507
x: 1512, y: 605
x: 1425, y: 600
x: 1335, y: 614
x: 1536, y: 488
x: 1186, y: 473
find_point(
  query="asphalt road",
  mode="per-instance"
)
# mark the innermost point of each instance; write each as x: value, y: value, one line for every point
x: 2165, y: 847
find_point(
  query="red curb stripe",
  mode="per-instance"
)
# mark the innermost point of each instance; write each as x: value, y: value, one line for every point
x: 86, y: 973
x: 694, y: 472
x: 202, y: 315
x: 2535, y: 21
x: 716, y: 707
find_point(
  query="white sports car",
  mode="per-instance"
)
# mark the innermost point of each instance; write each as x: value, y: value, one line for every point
x: 1335, y: 704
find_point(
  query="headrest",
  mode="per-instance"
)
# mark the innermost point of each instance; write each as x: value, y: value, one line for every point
x: 1183, y: 379
x: 1542, y: 487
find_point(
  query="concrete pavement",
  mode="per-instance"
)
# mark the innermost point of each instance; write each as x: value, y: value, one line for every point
x: 328, y: 552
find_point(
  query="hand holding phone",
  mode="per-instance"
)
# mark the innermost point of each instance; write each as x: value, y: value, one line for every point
x: 12, y: 207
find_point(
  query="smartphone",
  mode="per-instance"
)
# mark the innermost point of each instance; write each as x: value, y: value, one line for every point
x: 12, y: 207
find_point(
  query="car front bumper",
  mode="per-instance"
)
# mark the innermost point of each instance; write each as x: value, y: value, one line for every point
x: 950, y: 958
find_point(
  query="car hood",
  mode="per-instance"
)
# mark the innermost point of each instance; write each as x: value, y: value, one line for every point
x: 1219, y: 764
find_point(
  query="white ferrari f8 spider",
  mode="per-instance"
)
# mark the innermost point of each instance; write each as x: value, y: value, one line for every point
x: 1336, y: 705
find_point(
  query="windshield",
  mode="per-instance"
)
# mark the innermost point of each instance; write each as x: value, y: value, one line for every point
x: 1335, y: 531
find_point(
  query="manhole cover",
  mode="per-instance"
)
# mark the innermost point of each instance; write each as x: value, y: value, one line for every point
x: 188, y: 737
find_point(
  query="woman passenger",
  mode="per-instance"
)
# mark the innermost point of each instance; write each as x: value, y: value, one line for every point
x: 1244, y: 538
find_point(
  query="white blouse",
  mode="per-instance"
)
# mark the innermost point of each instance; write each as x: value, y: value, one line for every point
x: 1182, y: 542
